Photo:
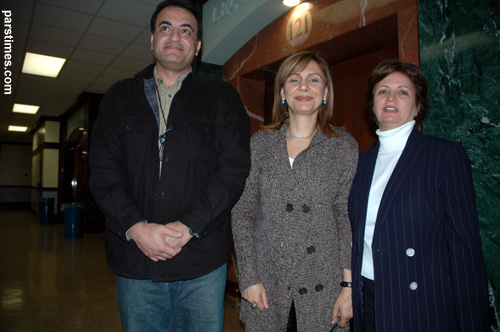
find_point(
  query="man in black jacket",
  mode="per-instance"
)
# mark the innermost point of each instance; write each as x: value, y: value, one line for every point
x: 169, y: 157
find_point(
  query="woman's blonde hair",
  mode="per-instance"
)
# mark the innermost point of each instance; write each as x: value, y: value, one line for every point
x: 291, y: 65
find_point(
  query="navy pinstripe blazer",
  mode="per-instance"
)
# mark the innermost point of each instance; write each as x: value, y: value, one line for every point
x: 428, y: 264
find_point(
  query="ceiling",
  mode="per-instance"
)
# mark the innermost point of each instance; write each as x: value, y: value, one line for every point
x: 103, y: 41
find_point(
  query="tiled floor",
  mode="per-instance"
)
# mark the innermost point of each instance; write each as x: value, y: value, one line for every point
x: 49, y: 283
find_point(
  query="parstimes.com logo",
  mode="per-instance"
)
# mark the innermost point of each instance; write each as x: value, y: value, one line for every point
x: 8, y: 39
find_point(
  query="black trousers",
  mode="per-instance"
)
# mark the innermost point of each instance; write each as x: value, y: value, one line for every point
x: 368, y: 305
x: 292, y: 320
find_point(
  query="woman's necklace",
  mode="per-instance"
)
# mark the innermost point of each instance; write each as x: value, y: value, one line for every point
x: 300, y: 137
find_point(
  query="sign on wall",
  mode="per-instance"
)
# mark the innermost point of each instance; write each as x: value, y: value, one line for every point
x: 299, y: 26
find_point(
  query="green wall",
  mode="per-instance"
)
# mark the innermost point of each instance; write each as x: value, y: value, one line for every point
x: 460, y: 56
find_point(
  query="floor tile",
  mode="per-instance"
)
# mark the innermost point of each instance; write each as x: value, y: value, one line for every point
x: 49, y: 283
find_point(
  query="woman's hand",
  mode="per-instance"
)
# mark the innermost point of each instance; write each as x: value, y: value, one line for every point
x: 343, y: 307
x: 256, y: 294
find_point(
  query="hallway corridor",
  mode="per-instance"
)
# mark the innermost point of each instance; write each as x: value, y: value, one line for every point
x: 49, y: 283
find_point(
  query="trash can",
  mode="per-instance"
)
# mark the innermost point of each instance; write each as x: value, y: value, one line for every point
x: 72, y: 220
x: 46, y: 210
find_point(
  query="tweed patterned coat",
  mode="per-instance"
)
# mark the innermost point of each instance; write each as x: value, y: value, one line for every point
x: 291, y: 229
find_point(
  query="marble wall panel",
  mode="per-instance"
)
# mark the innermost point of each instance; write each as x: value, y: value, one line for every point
x: 460, y: 56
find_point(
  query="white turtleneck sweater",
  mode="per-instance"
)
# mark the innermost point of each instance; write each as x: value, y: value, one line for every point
x: 392, y: 143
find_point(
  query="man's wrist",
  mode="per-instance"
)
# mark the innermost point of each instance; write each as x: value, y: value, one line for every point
x: 128, y: 235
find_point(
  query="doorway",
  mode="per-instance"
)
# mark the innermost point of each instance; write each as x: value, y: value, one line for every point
x: 351, y: 57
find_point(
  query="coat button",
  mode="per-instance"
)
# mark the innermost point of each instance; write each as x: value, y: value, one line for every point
x: 154, y: 194
x: 303, y: 291
x: 410, y: 252
x: 311, y: 250
x: 289, y: 207
x: 318, y: 288
x: 413, y: 286
x: 305, y: 208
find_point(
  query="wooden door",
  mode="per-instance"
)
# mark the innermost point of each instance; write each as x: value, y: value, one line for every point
x: 349, y: 84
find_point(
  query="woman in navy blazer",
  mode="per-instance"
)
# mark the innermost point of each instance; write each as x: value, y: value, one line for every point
x: 417, y: 263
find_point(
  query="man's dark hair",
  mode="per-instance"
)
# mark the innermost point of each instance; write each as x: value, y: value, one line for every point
x: 184, y: 4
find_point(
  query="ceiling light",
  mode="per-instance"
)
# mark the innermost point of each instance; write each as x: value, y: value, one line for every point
x: 27, y: 109
x: 305, y: 6
x: 43, y: 65
x: 18, y: 128
x: 291, y: 3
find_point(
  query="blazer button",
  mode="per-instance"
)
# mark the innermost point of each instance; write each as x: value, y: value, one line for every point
x: 311, y: 250
x: 154, y: 194
x: 413, y: 286
x: 410, y: 252
x: 289, y: 207
x: 303, y: 291
x: 318, y: 288
x: 305, y: 208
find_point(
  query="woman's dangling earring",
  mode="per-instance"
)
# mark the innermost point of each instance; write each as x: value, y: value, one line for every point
x: 282, y: 101
x: 324, y: 101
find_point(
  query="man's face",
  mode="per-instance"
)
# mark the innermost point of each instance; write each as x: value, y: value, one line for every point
x: 174, y: 42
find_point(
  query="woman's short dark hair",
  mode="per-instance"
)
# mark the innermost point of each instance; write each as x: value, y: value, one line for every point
x: 291, y: 65
x: 414, y: 73
x: 185, y: 4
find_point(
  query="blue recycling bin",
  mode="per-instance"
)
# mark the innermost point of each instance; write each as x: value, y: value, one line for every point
x: 72, y: 220
x: 46, y: 210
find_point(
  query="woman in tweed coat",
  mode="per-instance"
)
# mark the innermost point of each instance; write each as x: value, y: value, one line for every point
x: 291, y: 230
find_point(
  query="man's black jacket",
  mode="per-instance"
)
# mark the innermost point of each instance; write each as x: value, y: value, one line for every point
x: 205, y: 163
